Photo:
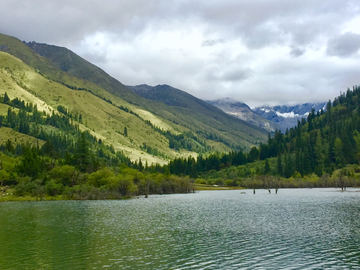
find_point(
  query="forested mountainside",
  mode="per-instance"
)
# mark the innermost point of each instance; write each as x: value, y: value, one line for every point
x: 64, y: 162
x: 65, y: 135
x: 69, y: 138
x: 325, y: 142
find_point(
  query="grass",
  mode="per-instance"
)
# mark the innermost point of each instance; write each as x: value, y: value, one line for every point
x: 8, y: 196
x: 18, y: 138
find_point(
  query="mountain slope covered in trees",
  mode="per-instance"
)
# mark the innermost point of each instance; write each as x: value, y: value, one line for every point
x: 155, y: 131
x: 326, y: 143
x: 65, y: 136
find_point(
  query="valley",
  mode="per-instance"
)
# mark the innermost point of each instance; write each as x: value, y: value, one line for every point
x: 71, y: 131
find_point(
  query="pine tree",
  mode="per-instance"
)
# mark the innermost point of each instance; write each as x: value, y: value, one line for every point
x: 338, y: 151
x: 279, y: 166
x: 82, y: 153
x: 267, y: 167
x: 6, y: 99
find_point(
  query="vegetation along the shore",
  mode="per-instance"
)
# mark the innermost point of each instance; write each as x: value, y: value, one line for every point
x: 49, y: 157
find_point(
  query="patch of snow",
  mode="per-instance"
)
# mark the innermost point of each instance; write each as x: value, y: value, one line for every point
x: 265, y: 110
x: 292, y: 115
x: 287, y: 115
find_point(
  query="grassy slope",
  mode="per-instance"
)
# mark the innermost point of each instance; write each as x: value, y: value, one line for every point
x: 195, y: 116
x: 18, y: 138
x: 18, y: 49
x: 110, y: 122
x: 208, y: 118
x: 106, y: 120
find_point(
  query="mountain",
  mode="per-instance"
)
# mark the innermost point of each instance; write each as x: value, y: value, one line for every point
x: 57, y: 81
x: 243, y: 112
x: 287, y: 116
x: 204, y: 113
x: 71, y: 63
x: 322, y: 150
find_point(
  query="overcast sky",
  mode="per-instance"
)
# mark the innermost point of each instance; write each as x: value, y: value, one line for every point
x: 256, y: 51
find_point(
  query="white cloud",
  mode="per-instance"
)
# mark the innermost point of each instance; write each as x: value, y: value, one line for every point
x: 259, y: 52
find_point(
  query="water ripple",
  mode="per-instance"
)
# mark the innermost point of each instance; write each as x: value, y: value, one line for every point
x: 295, y: 229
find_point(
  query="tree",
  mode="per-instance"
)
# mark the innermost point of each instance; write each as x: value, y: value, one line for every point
x: 101, y: 178
x: 125, y: 132
x: 338, y: 147
x: 321, y: 149
x: 6, y: 98
x: 31, y: 164
x: 267, y: 167
x: 82, y: 153
x: 279, y: 165
x: 357, y: 140
x: 253, y: 154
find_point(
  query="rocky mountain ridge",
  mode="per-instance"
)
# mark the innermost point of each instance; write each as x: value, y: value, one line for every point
x: 268, y: 118
x: 243, y: 111
x: 287, y: 116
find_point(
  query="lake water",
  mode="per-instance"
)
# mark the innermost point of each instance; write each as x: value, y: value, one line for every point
x: 294, y: 229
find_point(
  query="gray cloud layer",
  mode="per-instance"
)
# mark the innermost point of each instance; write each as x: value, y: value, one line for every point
x: 259, y: 52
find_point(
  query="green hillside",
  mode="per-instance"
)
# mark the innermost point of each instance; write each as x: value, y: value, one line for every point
x: 321, y: 151
x: 155, y: 131
x: 223, y: 132
x: 104, y: 120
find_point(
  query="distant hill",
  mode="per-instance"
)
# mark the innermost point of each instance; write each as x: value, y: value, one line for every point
x: 242, y: 111
x: 287, y: 116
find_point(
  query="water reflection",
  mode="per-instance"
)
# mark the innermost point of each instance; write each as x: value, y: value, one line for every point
x: 295, y: 229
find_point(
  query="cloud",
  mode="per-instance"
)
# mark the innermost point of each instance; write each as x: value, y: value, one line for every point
x: 296, y: 52
x: 226, y: 74
x: 344, y: 45
x: 257, y: 51
x: 212, y: 42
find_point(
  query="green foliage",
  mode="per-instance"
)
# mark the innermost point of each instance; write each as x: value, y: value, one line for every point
x: 326, y: 141
x: 31, y: 163
x: 103, y: 177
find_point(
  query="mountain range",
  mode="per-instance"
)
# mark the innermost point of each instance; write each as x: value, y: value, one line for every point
x: 268, y: 118
x: 286, y: 117
x: 244, y: 112
x: 170, y: 124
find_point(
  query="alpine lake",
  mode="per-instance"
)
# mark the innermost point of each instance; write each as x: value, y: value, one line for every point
x: 232, y: 229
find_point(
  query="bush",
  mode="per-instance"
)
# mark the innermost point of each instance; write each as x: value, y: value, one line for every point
x: 24, y: 187
x: 53, y: 188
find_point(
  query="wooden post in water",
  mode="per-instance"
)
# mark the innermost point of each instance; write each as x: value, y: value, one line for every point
x: 254, y: 191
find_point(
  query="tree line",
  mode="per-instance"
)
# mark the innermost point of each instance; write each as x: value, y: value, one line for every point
x: 321, y: 143
x: 72, y: 163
